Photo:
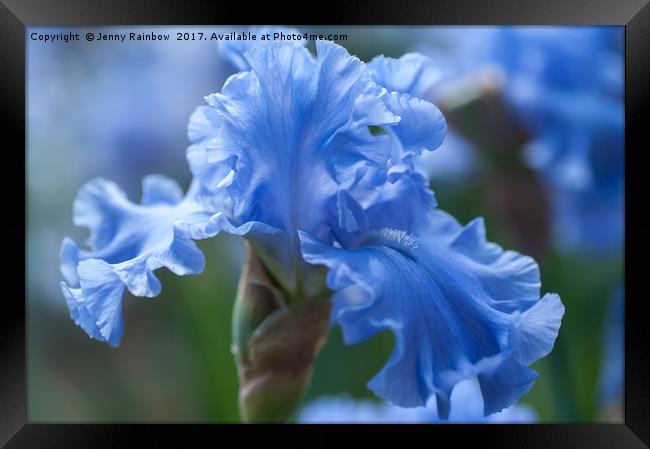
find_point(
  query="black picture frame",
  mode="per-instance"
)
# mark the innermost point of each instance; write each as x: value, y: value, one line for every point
x: 17, y: 15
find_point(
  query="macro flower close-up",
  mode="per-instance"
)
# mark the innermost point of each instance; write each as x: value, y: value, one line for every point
x: 338, y: 275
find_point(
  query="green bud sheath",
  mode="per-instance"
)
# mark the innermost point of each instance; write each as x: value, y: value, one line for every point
x: 274, y: 344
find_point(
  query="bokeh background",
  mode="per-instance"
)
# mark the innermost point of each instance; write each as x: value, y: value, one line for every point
x: 535, y: 146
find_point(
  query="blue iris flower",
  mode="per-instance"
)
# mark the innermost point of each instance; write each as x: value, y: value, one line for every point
x: 466, y: 400
x: 311, y: 159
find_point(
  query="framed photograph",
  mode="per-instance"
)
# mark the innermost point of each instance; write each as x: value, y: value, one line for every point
x: 424, y: 216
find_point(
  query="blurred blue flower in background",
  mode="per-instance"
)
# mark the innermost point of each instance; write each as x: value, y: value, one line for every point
x: 312, y: 159
x: 570, y: 99
x: 131, y: 101
x: 467, y: 407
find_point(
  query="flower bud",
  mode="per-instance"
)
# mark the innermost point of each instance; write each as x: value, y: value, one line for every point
x: 274, y: 344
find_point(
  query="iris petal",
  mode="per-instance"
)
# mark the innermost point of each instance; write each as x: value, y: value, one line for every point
x: 459, y: 307
x: 413, y: 73
x: 128, y: 242
x: 290, y: 133
x: 234, y: 50
x: 293, y: 132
